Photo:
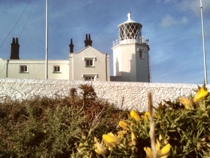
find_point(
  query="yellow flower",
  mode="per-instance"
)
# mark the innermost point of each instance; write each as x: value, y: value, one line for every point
x: 121, y: 133
x: 201, y: 94
x: 99, y: 147
x: 124, y: 125
x: 133, y: 138
x: 161, y: 153
x: 148, y: 152
x: 188, y: 104
x: 110, y: 140
x: 165, y: 151
x: 134, y: 115
x: 145, y: 116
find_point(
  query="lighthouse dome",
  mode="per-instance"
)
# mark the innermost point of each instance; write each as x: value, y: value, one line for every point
x: 129, y: 29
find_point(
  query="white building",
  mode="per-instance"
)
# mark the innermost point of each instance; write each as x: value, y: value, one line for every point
x: 131, y: 53
x: 130, y: 60
x: 34, y: 69
x: 87, y: 64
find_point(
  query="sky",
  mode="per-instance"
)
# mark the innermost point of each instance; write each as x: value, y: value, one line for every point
x: 173, y: 28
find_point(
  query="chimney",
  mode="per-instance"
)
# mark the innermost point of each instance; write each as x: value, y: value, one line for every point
x: 88, y: 41
x: 14, y: 49
x: 71, y: 46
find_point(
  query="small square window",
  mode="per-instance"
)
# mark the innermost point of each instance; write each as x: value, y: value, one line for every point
x: 89, y: 62
x: 141, y: 54
x: 56, y: 69
x: 23, y: 68
x: 89, y: 78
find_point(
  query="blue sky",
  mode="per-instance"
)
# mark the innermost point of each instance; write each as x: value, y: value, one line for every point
x: 173, y: 28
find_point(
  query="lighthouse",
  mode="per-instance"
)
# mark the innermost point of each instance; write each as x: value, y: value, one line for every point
x: 131, y: 53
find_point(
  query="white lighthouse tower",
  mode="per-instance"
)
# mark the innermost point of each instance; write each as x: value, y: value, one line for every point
x: 131, y: 53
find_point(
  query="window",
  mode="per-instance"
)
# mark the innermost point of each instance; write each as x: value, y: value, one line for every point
x: 89, y: 78
x: 56, y: 69
x: 141, y: 54
x: 23, y: 68
x: 89, y: 62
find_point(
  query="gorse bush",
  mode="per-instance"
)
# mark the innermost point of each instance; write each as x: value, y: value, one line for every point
x: 32, y: 129
x: 181, y: 130
x: 43, y: 127
x: 84, y: 126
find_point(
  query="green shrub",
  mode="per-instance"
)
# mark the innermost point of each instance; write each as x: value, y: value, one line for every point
x: 181, y: 130
x: 43, y: 127
x: 84, y: 126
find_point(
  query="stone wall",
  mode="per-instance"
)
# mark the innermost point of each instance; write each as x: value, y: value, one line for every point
x: 125, y: 95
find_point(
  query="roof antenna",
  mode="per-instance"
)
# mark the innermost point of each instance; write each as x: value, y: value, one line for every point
x: 129, y: 15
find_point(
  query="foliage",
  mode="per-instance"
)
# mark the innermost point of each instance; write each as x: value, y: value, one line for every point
x: 43, y: 127
x: 84, y: 126
x: 182, y: 130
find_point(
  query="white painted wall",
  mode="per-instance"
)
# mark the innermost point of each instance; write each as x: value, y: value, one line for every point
x: 72, y: 69
x: 36, y: 69
x: 124, y: 95
x: 127, y: 63
x: 3, y: 68
x: 101, y: 64
x: 142, y: 64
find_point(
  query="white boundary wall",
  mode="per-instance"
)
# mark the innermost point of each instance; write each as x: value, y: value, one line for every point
x: 125, y: 95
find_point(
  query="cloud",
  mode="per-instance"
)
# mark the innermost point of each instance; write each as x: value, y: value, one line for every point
x: 184, y: 68
x: 169, y: 21
x: 169, y: 1
x: 166, y: 1
x: 194, y: 6
x: 184, y: 20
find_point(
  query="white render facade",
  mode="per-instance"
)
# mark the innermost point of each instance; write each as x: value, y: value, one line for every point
x: 130, y: 60
x: 87, y: 64
x: 73, y: 69
x: 131, y: 53
x: 34, y: 69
